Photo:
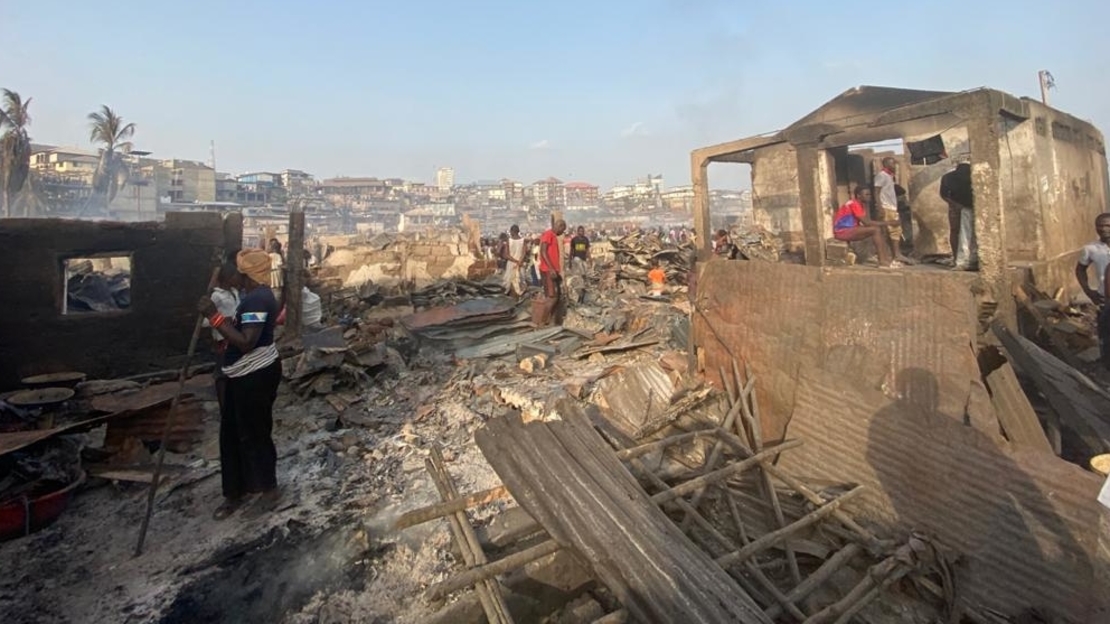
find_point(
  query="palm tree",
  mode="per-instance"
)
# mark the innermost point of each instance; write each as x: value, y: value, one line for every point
x: 15, y: 148
x: 107, y: 128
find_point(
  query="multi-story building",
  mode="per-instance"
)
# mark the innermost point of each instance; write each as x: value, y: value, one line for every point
x: 679, y: 199
x: 355, y: 187
x: 549, y: 193
x: 580, y: 196
x: 297, y: 182
x: 514, y: 192
x: 445, y: 179
x: 185, y: 181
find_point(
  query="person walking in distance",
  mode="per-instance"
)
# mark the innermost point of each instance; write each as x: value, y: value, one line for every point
x: 248, y: 459
x: 887, y: 201
x: 1097, y: 253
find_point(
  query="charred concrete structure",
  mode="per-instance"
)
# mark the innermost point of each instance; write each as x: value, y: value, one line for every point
x: 1039, y: 174
x: 170, y: 262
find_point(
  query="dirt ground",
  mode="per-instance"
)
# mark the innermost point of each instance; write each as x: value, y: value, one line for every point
x: 328, y: 554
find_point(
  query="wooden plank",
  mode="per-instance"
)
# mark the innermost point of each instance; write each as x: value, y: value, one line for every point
x: 1065, y: 395
x: 565, y: 476
x: 1016, y: 415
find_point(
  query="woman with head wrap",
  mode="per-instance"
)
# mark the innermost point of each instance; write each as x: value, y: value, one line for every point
x: 248, y: 459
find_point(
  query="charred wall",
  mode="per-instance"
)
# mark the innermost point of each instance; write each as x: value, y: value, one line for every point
x: 171, y: 263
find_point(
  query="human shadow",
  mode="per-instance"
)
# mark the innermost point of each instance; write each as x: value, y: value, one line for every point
x: 1018, y: 548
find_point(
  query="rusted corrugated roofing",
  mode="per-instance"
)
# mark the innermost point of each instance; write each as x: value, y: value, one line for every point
x: 866, y: 324
x: 1026, y: 522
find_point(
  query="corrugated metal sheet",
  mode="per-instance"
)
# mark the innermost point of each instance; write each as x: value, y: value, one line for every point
x: 467, y: 312
x: 634, y: 397
x: 1026, y: 521
x: 865, y: 324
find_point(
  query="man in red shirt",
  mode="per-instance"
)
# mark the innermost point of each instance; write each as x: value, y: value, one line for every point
x: 551, y: 270
x: 851, y: 224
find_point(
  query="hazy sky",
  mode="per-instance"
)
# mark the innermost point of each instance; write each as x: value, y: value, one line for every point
x: 603, y: 91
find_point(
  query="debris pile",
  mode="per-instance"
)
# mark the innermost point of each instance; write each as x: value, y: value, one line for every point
x: 637, y: 253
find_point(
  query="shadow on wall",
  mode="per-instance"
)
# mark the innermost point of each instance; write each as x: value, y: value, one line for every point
x: 983, y: 502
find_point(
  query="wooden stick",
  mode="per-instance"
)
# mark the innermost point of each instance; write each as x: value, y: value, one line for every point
x: 725, y: 542
x: 439, y: 510
x: 650, y: 447
x: 170, y: 417
x: 490, y: 570
x: 774, y: 537
x: 831, y: 566
x: 879, y: 577
x: 869, y: 538
x: 766, y: 487
x: 489, y: 591
x: 721, y: 474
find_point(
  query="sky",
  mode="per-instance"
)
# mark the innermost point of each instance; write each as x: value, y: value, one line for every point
x: 602, y: 91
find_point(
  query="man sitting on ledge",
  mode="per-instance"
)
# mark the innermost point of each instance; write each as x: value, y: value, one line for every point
x: 851, y: 224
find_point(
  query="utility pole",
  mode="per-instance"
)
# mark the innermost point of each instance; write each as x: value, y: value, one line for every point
x: 1047, y: 82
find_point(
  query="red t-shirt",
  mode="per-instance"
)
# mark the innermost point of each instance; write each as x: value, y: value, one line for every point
x: 848, y: 216
x: 549, y: 246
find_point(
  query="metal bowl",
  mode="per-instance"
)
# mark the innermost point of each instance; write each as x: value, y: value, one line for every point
x: 42, y: 397
x: 54, y: 380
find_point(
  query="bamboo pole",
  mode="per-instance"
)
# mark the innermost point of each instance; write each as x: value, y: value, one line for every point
x: 489, y: 591
x: 480, y: 573
x: 774, y: 537
x: 439, y: 510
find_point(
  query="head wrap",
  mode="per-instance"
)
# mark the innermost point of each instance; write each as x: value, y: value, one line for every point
x: 255, y: 264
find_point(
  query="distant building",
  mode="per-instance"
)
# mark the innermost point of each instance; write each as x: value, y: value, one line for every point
x: 355, y: 187
x: 260, y: 188
x: 297, y: 182
x: 445, y: 179
x: 580, y: 196
x: 679, y: 199
x: 185, y: 181
x: 548, y: 193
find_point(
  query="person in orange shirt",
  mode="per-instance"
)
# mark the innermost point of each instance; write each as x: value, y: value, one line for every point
x: 657, y: 278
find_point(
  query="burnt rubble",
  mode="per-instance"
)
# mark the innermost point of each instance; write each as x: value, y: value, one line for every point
x: 444, y: 460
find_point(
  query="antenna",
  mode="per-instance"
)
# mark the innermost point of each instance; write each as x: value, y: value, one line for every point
x: 212, y: 154
x: 1047, y: 82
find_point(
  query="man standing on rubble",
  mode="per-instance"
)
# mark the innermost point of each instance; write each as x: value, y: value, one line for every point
x: 956, y: 191
x: 580, y: 250
x: 887, y: 200
x: 514, y: 254
x: 551, y: 273
x: 1098, y: 254
x: 248, y: 459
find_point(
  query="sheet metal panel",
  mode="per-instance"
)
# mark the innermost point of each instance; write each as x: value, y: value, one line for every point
x: 866, y: 325
x: 1025, y: 521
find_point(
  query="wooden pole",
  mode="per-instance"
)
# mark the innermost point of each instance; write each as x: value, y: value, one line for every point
x: 169, y: 418
x: 294, y: 273
x: 420, y: 516
x: 489, y: 591
x: 487, y: 571
x: 775, y: 537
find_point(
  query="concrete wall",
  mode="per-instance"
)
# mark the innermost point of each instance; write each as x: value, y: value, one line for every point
x: 775, y: 193
x: 1071, y: 178
x: 419, y: 257
x: 171, y: 263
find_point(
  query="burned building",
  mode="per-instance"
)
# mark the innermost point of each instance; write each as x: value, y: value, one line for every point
x: 105, y: 298
x: 1039, y: 174
x: 904, y: 381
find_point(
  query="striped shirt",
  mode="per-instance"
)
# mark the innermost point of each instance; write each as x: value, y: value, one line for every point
x: 257, y: 308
